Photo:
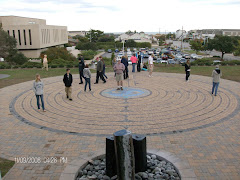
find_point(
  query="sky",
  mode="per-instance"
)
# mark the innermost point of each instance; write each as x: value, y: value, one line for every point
x: 124, y: 15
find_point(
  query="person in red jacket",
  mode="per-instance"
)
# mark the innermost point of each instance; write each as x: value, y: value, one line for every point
x: 134, y: 62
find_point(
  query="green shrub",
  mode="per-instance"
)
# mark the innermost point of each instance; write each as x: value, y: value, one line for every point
x: 29, y: 66
x: 53, y: 66
x: 59, y: 61
x: 107, y: 61
x: 88, y: 55
x: 17, y: 58
x: 33, y: 64
x: 61, y: 65
x: 69, y: 66
x: 15, y: 67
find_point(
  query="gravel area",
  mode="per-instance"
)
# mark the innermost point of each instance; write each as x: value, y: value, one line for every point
x: 156, y: 169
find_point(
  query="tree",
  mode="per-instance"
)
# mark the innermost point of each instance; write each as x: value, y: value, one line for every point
x: 17, y: 58
x: 237, y: 49
x: 94, y: 35
x: 87, y: 46
x: 197, y: 45
x: 171, y: 35
x: 7, y: 44
x: 130, y: 43
x: 57, y: 53
x: 224, y: 44
x: 81, y: 38
x: 106, y: 39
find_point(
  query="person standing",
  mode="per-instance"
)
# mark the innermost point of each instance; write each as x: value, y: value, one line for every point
x: 124, y: 61
x: 38, y: 90
x: 81, y: 67
x: 216, y: 74
x: 134, y: 61
x: 68, y: 79
x: 139, y: 62
x: 99, y: 70
x: 187, y: 70
x: 45, y: 62
x: 104, y: 69
x: 87, y: 76
x: 150, y: 63
x: 119, y: 68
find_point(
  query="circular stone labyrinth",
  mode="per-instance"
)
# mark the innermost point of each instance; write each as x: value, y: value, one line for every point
x: 158, y: 105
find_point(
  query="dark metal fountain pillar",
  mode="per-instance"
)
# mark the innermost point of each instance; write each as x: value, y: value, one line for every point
x: 111, y: 166
x: 124, y: 152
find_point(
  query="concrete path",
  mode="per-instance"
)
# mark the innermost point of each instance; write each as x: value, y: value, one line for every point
x: 177, y: 117
x: 4, y: 76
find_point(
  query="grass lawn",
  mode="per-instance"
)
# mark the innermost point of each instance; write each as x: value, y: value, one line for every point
x: 22, y: 75
x: 228, y: 72
x: 5, y: 166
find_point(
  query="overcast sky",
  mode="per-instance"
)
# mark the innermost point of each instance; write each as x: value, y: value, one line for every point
x: 124, y: 15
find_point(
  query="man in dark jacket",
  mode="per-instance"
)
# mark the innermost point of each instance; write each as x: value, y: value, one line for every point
x: 125, y: 62
x: 139, y: 62
x: 81, y: 66
x: 99, y: 70
x: 67, y: 79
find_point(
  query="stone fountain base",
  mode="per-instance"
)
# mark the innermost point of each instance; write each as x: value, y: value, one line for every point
x: 161, y: 164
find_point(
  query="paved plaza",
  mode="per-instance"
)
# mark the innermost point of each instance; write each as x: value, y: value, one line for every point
x: 179, y: 117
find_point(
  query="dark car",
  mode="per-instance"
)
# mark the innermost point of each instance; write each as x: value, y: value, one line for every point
x: 109, y: 51
x: 171, y: 61
x: 116, y: 50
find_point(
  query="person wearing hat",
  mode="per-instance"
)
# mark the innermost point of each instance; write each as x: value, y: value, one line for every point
x: 216, y: 74
x: 119, y: 68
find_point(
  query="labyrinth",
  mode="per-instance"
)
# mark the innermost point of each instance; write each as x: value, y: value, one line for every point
x: 163, y: 104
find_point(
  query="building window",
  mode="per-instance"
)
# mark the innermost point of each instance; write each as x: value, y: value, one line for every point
x: 19, y: 37
x: 8, y: 32
x: 13, y: 33
x: 30, y: 37
x: 24, y: 35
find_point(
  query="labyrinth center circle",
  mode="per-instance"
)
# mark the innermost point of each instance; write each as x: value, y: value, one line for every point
x: 149, y: 108
x: 126, y: 93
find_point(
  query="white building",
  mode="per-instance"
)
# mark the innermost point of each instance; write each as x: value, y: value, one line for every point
x: 137, y: 37
x: 181, y: 34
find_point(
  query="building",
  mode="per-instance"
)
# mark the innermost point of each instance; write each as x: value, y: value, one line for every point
x: 211, y: 33
x: 181, y: 34
x: 80, y: 33
x: 33, y: 35
x: 137, y: 37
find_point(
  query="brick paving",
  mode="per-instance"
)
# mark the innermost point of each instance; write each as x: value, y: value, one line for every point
x: 178, y: 117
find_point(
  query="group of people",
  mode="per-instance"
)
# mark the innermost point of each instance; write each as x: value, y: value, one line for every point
x: 121, y: 72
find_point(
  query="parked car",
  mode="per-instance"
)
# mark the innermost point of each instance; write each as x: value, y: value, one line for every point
x: 116, y: 50
x: 129, y: 61
x: 128, y: 49
x: 199, y: 57
x: 145, y: 56
x: 1, y: 59
x: 160, y: 60
x: 165, y: 57
x: 186, y: 56
x: 194, y: 56
x: 129, y: 53
x: 150, y: 52
x: 109, y: 51
x: 182, y: 61
x: 171, y: 61
x: 216, y: 61
x: 178, y: 56
x: 135, y: 49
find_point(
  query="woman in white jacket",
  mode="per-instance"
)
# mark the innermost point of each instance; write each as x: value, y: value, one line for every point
x: 38, y: 90
x: 216, y: 74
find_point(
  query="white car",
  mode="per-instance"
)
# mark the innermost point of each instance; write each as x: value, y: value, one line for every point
x: 129, y: 53
x: 1, y: 59
x: 178, y: 56
x: 128, y: 49
x: 150, y: 52
x: 129, y: 62
x: 216, y: 61
x: 194, y: 56
x: 199, y: 57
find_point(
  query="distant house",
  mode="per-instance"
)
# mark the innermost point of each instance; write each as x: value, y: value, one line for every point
x: 137, y: 37
x: 211, y: 33
x: 33, y: 35
x: 181, y: 34
x: 80, y: 33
